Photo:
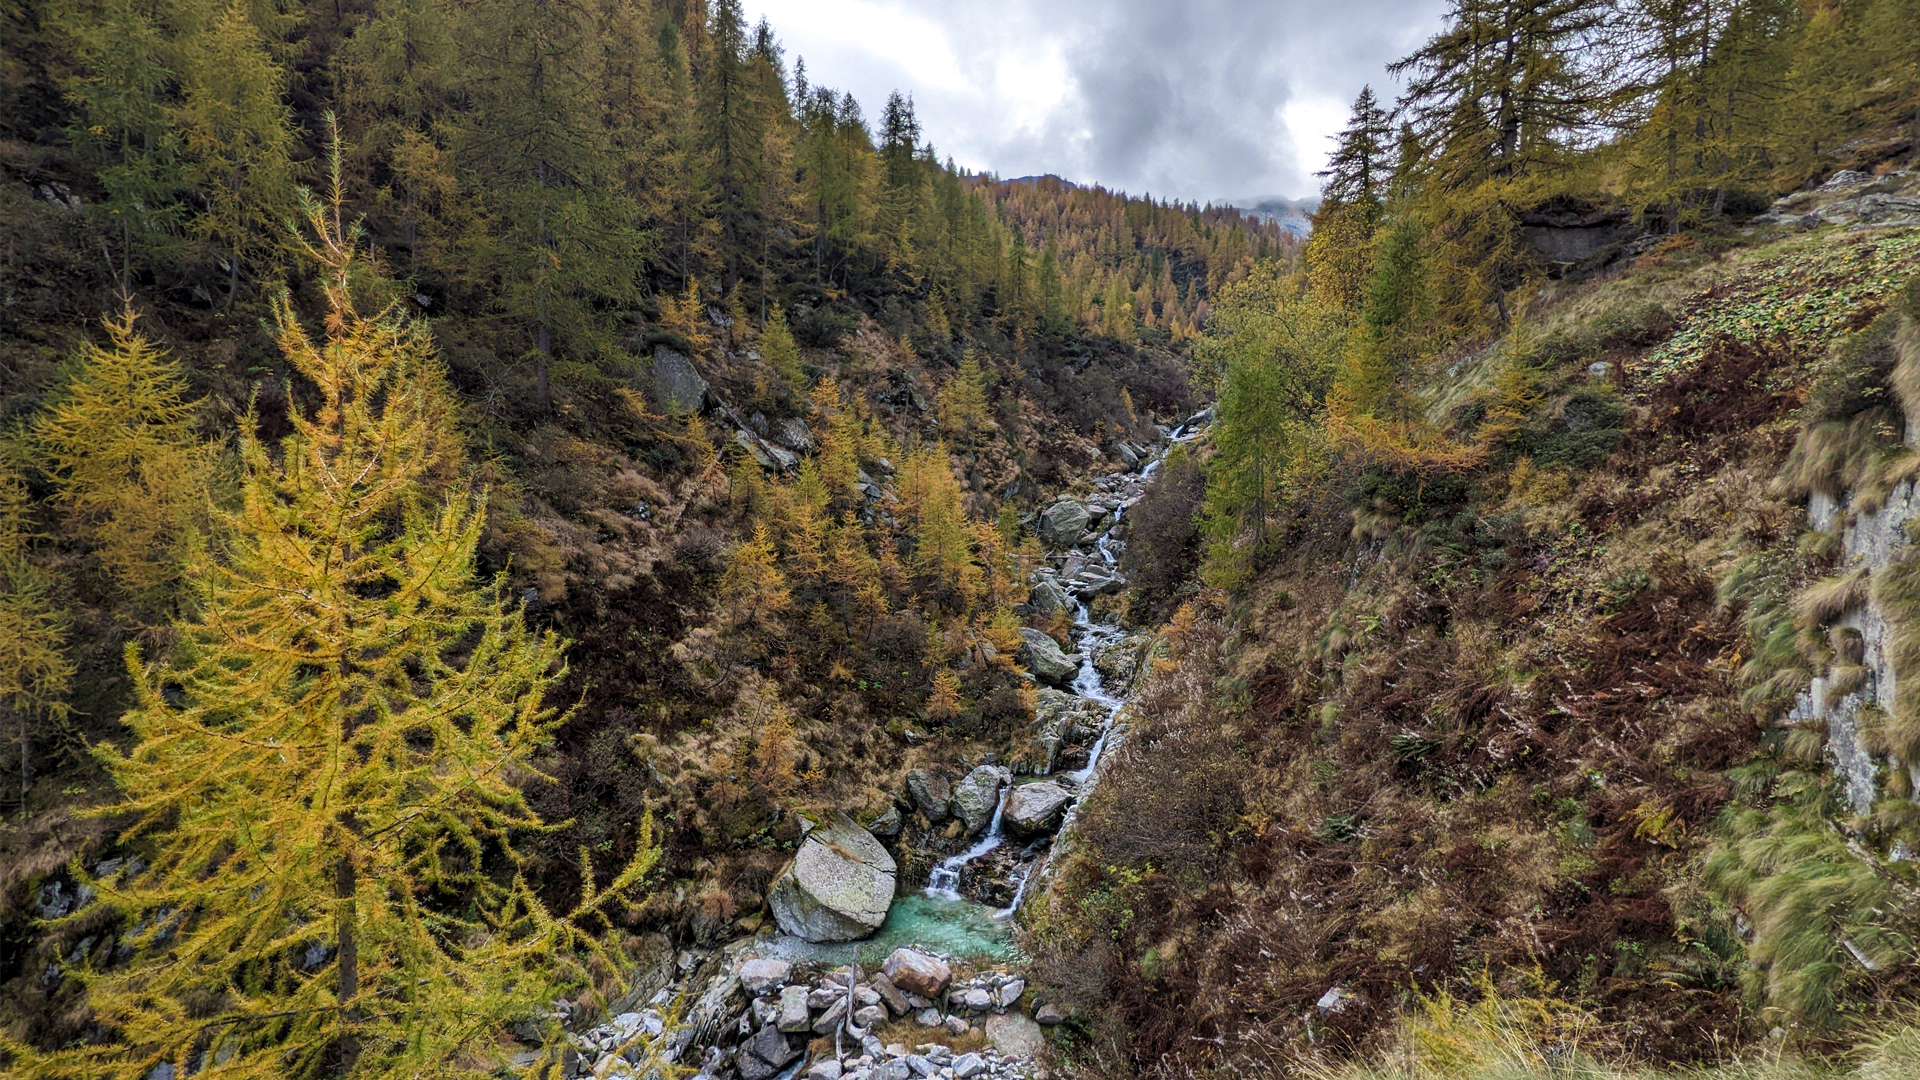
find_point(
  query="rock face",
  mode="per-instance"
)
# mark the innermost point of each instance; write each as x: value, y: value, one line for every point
x: 677, y: 384
x: 1044, y: 658
x: 976, y: 797
x: 838, y: 886
x: 1035, y: 809
x: 916, y: 972
x: 1062, y: 523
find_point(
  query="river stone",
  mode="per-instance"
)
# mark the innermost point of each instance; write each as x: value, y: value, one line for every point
x: 890, y: 995
x: 975, y: 798
x: 930, y: 793
x: 677, y: 385
x: 831, y: 1018
x: 1047, y: 597
x: 1062, y: 523
x: 1119, y: 662
x: 1034, y: 810
x: 766, y: 1053
x: 1015, y: 1034
x: 916, y: 972
x: 838, y: 886
x: 1045, y: 660
x: 792, y: 1014
x: 764, y: 973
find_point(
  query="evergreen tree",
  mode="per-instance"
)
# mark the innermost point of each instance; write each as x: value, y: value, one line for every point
x: 733, y: 135
x: 119, y: 443
x: 1358, y: 168
x: 236, y: 142
x: 324, y: 767
x: 34, y: 669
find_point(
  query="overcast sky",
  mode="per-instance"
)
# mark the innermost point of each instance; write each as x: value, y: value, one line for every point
x: 1221, y: 100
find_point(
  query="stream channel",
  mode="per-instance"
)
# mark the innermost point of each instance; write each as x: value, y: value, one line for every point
x: 942, y: 917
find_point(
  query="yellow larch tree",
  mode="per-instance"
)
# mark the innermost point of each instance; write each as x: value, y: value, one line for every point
x: 34, y: 669
x: 324, y: 770
x: 118, y: 441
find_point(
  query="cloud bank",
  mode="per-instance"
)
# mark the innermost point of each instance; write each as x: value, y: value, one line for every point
x: 1203, y: 100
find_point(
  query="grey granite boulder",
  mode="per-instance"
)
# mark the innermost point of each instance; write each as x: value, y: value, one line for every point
x: 838, y: 886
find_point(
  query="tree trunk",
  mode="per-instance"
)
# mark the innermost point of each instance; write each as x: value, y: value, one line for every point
x: 348, y: 958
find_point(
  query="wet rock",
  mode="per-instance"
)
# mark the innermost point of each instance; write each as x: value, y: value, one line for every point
x: 1045, y: 659
x: 762, y: 974
x: 838, y: 886
x: 975, y: 798
x: 677, y: 385
x: 1062, y: 523
x: 931, y: 794
x: 917, y: 972
x: 1015, y: 1034
x: 1119, y: 662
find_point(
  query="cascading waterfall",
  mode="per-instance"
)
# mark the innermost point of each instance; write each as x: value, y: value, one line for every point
x: 1089, y: 639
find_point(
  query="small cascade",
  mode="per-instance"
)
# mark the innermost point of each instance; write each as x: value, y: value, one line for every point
x: 1090, y: 638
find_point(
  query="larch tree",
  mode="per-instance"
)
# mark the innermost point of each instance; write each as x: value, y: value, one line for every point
x: 324, y: 770
x: 34, y: 669
x: 119, y: 443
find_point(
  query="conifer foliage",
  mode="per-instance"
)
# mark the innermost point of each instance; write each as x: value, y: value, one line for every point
x: 325, y: 773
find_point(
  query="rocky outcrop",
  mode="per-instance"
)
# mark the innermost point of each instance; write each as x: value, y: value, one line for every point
x: 1043, y: 657
x: 838, y: 886
x: 1035, y: 810
x: 1063, y: 523
x: 1854, y: 199
x: 793, y: 434
x: 976, y: 797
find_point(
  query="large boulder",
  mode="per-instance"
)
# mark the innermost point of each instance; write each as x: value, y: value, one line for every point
x: 916, y: 972
x: 1034, y: 810
x: 838, y: 886
x: 1062, y: 523
x: 930, y: 794
x: 1044, y: 658
x: 1120, y: 662
x: 677, y: 385
x: 976, y: 797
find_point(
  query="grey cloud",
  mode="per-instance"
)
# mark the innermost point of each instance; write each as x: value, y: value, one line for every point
x: 1188, y: 100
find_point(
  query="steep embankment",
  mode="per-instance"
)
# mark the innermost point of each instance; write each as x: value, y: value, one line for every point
x: 1526, y: 734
